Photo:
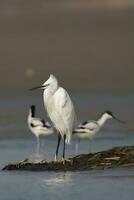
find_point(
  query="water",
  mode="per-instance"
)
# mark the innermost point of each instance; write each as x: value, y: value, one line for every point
x: 112, y: 184
x: 17, y: 143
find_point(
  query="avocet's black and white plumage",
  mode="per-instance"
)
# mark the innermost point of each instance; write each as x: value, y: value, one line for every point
x: 60, y: 110
x: 38, y: 126
x: 88, y: 129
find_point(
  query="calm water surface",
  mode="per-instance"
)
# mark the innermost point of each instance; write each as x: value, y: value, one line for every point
x: 16, y: 143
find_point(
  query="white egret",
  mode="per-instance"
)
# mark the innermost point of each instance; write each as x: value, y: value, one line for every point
x: 88, y: 129
x: 38, y: 127
x: 60, y: 110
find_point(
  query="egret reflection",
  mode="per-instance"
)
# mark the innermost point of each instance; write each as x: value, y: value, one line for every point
x: 58, y: 179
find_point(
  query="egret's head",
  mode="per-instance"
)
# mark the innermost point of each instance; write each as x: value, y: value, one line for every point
x: 109, y: 115
x: 50, y: 83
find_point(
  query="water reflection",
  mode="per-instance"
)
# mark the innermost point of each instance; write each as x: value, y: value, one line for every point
x: 57, y: 179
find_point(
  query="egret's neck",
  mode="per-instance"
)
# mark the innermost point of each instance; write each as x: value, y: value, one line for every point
x: 102, y: 120
x: 48, y: 92
x: 48, y: 99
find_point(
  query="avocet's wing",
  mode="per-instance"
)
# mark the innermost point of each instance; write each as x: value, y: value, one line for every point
x: 91, y: 125
x: 37, y: 122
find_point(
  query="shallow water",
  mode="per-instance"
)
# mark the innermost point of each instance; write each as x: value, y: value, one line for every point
x: 112, y: 184
x: 17, y: 143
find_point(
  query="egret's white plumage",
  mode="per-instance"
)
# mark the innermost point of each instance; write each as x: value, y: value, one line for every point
x: 38, y: 126
x: 89, y: 129
x: 60, y: 110
x: 59, y: 107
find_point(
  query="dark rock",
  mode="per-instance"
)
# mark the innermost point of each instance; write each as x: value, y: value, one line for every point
x: 116, y: 157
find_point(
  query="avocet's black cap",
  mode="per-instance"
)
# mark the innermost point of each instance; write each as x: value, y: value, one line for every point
x: 108, y: 112
x: 113, y: 116
x: 32, y: 107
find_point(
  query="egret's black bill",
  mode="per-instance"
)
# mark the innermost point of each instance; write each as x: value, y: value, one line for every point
x: 121, y: 121
x: 35, y: 88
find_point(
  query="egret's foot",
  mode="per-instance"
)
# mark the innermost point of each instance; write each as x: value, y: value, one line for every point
x: 57, y: 161
x: 43, y: 161
x: 55, y: 158
x: 64, y: 161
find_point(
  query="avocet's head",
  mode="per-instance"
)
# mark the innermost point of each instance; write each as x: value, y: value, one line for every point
x: 52, y: 83
x: 32, y: 110
x: 109, y: 115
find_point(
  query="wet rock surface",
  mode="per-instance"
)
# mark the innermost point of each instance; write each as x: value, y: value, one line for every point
x: 117, y: 157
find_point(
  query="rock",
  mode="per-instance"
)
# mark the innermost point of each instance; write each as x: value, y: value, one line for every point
x: 116, y: 157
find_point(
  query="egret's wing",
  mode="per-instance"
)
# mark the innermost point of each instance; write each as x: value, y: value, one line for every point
x: 65, y: 113
x: 91, y: 125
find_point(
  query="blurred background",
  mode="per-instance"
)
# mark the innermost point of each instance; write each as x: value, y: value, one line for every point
x: 87, y: 44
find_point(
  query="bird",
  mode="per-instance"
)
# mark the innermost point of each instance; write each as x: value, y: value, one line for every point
x: 87, y: 130
x: 60, y: 110
x: 38, y: 126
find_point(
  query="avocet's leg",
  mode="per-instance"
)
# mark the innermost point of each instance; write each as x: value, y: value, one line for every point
x: 91, y: 146
x: 58, y: 144
x: 38, y: 145
x: 77, y: 147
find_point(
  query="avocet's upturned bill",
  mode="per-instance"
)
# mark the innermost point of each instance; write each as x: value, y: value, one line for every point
x: 38, y: 126
x: 60, y: 110
x: 88, y: 129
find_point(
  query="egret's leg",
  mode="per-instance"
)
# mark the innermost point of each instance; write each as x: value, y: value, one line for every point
x: 57, y: 149
x: 63, y: 157
x: 38, y: 145
x: 64, y: 144
x: 77, y: 147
